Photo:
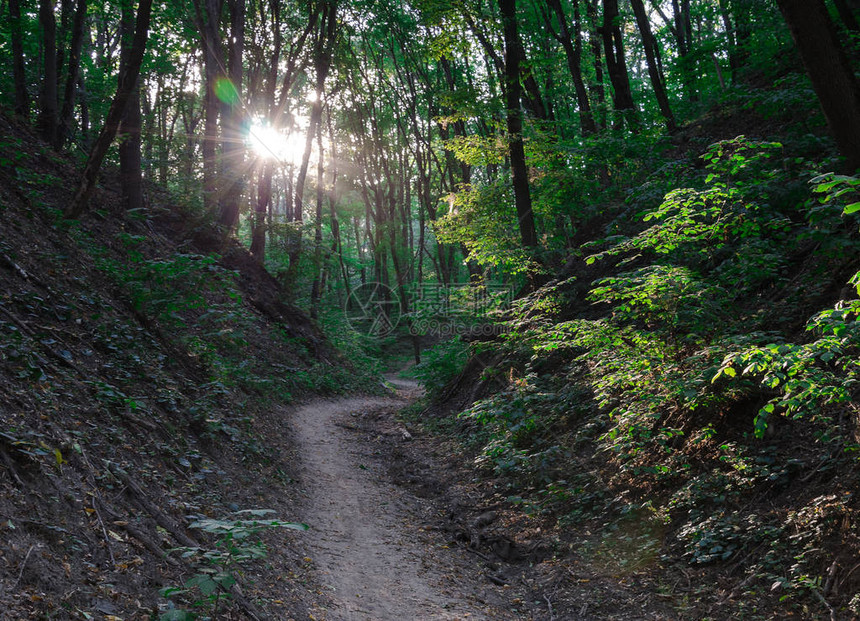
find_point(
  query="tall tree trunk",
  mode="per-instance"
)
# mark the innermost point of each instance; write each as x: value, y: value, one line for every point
x: 684, y: 35
x: 70, y: 91
x: 264, y: 197
x: 658, y: 82
x: 65, y: 16
x: 208, y: 18
x: 731, y: 41
x: 847, y: 15
x: 84, y: 107
x: 337, y: 242
x: 22, y: 99
x: 613, y: 48
x: 233, y: 144
x: 322, y: 63
x: 572, y: 45
x: 263, y: 208
x: 519, y: 169
x: 830, y: 72
x: 47, y: 121
x: 594, y: 42
x: 126, y: 84
x: 316, y: 289
x: 741, y: 11
x: 130, y: 173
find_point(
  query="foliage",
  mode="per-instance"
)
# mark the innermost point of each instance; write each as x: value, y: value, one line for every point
x: 440, y: 364
x: 237, y: 543
x: 678, y: 341
x: 482, y: 218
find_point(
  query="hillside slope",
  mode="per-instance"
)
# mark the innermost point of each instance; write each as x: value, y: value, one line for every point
x: 679, y: 404
x: 138, y: 354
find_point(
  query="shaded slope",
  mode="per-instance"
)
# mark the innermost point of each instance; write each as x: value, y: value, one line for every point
x: 135, y: 368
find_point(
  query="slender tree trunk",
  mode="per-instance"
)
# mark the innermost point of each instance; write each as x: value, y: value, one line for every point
x: 683, y: 32
x: 594, y: 42
x: 316, y: 289
x: 743, y: 32
x: 264, y: 197
x: 126, y: 84
x: 84, y: 108
x: 337, y: 242
x: 572, y: 45
x: 731, y: 41
x: 65, y: 16
x: 658, y: 82
x: 519, y: 169
x: 207, y: 19
x: 22, y: 99
x: 830, y: 72
x: 613, y: 48
x: 322, y: 63
x: 129, y: 146
x: 47, y: 122
x: 233, y: 144
x: 75, y: 47
x: 263, y: 209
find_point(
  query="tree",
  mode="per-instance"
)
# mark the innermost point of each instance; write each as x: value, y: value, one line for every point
x: 829, y: 70
x: 72, y: 74
x: 22, y: 99
x: 594, y: 43
x: 233, y: 143
x: 276, y: 109
x: 131, y: 176
x: 519, y: 169
x: 322, y: 54
x: 207, y: 17
x: 126, y: 84
x: 613, y: 48
x: 47, y: 121
x: 572, y: 45
x: 655, y: 68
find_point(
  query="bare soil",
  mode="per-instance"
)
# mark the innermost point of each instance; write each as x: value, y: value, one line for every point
x: 376, y: 555
x: 403, y: 527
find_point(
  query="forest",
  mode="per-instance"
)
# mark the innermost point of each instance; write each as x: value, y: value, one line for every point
x: 562, y: 293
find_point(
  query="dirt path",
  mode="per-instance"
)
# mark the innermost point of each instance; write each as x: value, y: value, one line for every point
x: 372, y: 555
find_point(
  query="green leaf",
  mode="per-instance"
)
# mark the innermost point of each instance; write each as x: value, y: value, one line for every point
x: 176, y: 615
x: 203, y: 582
x: 226, y: 580
x: 294, y: 525
x: 256, y: 512
x: 852, y: 208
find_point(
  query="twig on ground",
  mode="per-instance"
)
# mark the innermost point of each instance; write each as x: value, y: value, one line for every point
x: 23, y: 565
x: 104, y: 531
x: 549, y: 607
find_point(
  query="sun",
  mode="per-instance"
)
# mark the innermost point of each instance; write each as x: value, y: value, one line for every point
x: 268, y: 142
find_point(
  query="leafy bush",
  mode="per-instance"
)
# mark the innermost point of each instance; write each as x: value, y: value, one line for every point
x: 236, y: 543
x: 441, y: 363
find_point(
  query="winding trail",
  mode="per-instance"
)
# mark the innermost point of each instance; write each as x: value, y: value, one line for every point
x: 372, y: 556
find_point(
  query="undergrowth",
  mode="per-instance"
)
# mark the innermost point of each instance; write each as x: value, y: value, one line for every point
x: 685, y: 380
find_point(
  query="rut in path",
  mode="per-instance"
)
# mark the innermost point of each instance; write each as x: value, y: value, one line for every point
x: 372, y: 560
